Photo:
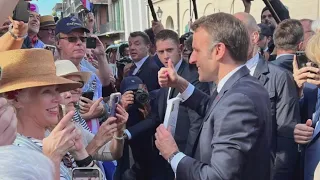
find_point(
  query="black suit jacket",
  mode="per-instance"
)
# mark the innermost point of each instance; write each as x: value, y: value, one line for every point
x: 142, y: 147
x: 285, y: 115
x: 234, y: 141
x: 188, y: 123
x: 284, y: 62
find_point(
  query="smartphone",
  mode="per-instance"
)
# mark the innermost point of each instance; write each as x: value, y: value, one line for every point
x: 50, y: 48
x: 88, y: 95
x: 91, y: 43
x: 86, y: 173
x: 114, y: 100
x: 21, y: 12
x: 302, y: 59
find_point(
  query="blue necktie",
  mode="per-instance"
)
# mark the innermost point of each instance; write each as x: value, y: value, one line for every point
x: 316, y: 116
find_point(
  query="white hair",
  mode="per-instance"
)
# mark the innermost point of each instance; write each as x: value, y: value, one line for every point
x: 18, y: 163
x: 315, y: 26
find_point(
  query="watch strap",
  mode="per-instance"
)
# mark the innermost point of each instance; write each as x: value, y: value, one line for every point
x: 172, y: 155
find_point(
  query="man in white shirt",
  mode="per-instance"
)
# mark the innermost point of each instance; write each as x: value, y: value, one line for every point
x: 235, y: 137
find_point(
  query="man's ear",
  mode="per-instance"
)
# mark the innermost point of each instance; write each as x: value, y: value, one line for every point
x: 300, y: 46
x: 180, y: 47
x: 256, y: 37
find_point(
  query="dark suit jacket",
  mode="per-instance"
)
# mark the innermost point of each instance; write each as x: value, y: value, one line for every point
x: 188, y: 123
x: 234, y: 142
x: 285, y: 62
x: 285, y: 115
x: 308, y: 101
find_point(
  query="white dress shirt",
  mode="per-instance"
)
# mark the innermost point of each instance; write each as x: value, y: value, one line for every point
x: 252, y: 63
x: 185, y: 96
x: 139, y: 64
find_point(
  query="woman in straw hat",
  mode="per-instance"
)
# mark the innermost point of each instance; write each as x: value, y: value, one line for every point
x: 101, y: 146
x: 29, y: 81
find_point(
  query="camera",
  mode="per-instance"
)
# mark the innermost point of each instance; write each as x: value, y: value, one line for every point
x: 141, y: 97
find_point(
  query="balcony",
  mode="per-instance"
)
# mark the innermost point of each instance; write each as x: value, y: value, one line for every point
x: 99, y: 1
x: 111, y: 27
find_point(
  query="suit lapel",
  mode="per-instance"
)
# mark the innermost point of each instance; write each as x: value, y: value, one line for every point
x: 145, y: 64
x: 230, y: 82
x: 261, y: 71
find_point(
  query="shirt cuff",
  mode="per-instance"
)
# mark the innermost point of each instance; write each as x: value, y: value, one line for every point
x: 187, y: 93
x: 175, y: 161
x: 128, y: 134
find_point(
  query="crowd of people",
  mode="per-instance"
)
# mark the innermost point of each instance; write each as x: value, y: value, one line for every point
x: 249, y: 105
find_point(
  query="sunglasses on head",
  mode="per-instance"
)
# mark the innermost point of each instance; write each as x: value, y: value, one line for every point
x: 74, y: 39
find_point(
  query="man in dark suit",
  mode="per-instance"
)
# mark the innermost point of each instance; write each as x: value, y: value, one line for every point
x: 146, y: 70
x: 235, y: 137
x: 188, y: 124
x: 284, y: 103
x: 288, y: 38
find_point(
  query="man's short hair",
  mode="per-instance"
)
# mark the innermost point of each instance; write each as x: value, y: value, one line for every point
x: 228, y: 30
x: 143, y: 35
x: 150, y: 33
x: 288, y: 35
x: 167, y: 34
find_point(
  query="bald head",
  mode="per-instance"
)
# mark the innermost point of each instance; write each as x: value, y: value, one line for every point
x: 248, y: 20
x: 253, y: 31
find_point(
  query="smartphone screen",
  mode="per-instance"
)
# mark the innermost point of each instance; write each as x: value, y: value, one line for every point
x: 91, y: 43
x: 114, y: 100
x: 302, y: 59
x: 50, y: 48
x: 86, y: 174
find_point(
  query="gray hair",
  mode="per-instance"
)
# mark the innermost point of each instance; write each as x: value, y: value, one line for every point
x: 288, y: 35
x: 22, y: 163
x: 226, y: 29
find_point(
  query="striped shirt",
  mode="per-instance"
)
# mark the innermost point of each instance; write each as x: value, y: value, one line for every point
x: 77, y: 118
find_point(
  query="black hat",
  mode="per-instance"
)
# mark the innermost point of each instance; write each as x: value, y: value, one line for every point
x: 68, y: 24
x: 130, y: 83
x: 265, y: 30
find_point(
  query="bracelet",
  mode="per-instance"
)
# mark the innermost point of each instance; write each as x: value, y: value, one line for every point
x: 118, y: 138
x: 15, y: 36
x: 85, y: 162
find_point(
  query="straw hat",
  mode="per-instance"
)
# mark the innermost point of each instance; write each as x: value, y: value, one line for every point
x: 46, y: 21
x: 67, y: 68
x: 25, y: 68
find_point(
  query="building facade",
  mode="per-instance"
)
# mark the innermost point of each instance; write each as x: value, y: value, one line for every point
x: 176, y: 13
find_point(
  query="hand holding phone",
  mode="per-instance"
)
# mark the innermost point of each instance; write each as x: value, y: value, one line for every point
x: 88, y: 95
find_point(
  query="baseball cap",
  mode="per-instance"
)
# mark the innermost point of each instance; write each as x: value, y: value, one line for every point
x: 68, y: 24
x: 265, y: 30
x: 130, y: 83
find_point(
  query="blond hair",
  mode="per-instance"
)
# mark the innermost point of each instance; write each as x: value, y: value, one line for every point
x: 313, y: 48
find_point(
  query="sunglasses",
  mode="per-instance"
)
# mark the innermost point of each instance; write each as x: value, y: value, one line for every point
x: 51, y: 31
x: 74, y: 39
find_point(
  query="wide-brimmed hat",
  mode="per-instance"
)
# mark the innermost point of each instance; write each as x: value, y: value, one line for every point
x: 46, y: 21
x: 26, y: 68
x: 67, y: 68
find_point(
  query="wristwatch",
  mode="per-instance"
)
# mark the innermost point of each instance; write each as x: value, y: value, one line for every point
x: 15, y: 36
x: 172, y: 155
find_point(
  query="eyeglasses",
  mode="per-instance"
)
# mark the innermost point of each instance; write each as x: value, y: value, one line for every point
x: 74, y: 39
x: 51, y: 31
x: 82, y: 84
